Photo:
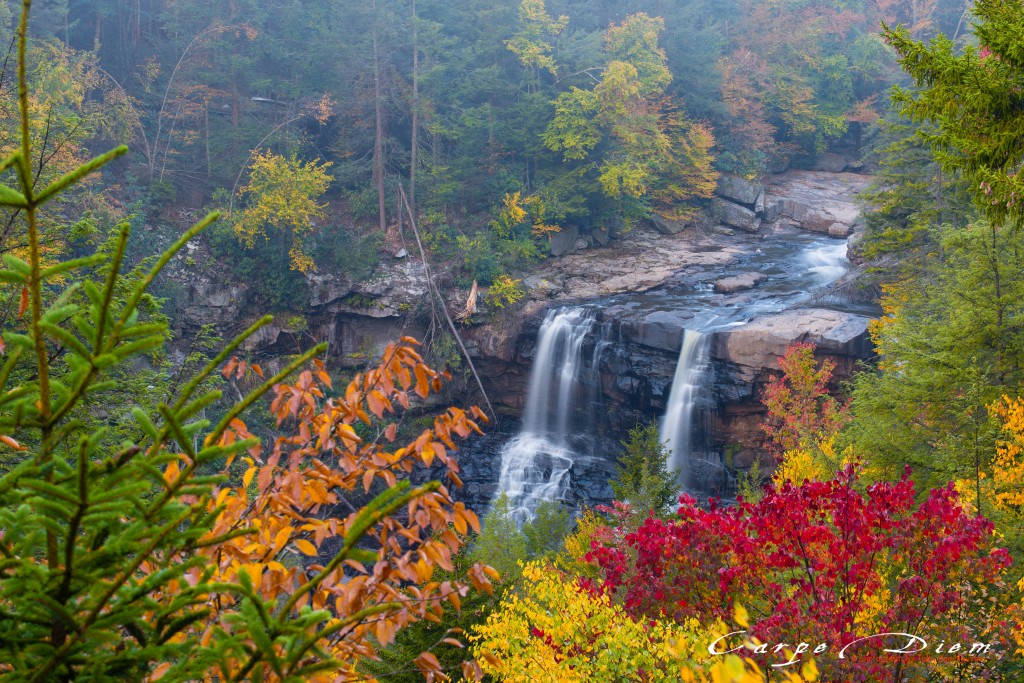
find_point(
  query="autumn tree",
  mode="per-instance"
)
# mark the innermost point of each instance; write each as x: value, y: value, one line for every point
x: 283, y: 203
x: 802, y: 415
x: 139, y: 561
x: 645, y: 155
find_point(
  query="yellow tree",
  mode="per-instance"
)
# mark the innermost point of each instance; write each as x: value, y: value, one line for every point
x: 284, y: 195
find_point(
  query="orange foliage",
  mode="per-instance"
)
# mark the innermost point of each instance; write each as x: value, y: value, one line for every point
x: 292, y: 526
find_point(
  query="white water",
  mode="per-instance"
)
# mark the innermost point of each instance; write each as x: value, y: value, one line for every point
x: 827, y: 262
x: 677, y: 426
x: 535, y: 464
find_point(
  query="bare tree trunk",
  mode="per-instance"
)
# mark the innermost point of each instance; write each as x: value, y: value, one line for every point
x: 378, y: 138
x: 97, y: 32
x: 414, y: 152
x: 206, y: 130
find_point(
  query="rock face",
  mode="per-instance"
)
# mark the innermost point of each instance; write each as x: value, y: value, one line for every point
x: 739, y: 190
x: 756, y: 347
x: 739, y: 283
x: 822, y: 202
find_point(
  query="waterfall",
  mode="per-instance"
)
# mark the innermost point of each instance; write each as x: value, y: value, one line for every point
x: 687, y: 386
x: 535, y: 464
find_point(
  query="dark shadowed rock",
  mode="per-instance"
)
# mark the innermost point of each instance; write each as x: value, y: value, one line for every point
x: 601, y: 236
x: 564, y: 241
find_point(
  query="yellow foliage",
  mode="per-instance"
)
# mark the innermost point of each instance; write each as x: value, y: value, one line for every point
x: 1008, y: 465
x: 894, y: 298
x: 555, y: 632
x: 576, y: 546
x: 283, y: 197
x: 817, y: 462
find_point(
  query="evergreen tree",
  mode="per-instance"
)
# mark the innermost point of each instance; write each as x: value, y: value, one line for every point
x: 975, y: 100
x: 643, y: 478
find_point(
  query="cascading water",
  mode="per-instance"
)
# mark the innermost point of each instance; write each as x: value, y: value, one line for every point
x: 535, y: 464
x: 687, y: 386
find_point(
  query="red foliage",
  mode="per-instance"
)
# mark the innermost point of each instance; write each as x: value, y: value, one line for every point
x: 819, y: 563
x: 800, y: 409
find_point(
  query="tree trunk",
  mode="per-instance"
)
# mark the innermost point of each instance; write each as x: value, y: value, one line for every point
x: 378, y: 138
x: 97, y: 33
x: 414, y: 151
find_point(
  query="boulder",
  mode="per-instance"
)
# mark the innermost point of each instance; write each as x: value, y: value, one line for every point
x: 739, y: 190
x: 759, y: 204
x: 839, y: 230
x: 830, y: 162
x: 739, y: 283
x: 778, y: 163
x: 601, y: 236
x: 722, y: 230
x: 666, y: 226
x: 564, y: 241
x: 738, y: 216
x: 583, y: 243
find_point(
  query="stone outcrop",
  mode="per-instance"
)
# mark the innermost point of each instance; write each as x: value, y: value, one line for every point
x: 822, y: 202
x: 831, y: 163
x: 755, y: 348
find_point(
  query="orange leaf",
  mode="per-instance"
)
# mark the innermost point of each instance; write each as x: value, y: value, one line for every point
x: 305, y: 546
x: 12, y: 443
x: 23, y: 306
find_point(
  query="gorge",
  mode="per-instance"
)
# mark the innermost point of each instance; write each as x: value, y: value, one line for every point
x: 681, y: 328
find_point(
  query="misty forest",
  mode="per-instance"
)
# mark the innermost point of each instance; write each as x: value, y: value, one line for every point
x: 512, y: 340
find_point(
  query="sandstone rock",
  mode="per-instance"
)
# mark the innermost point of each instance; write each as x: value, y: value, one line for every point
x: 666, y: 226
x: 738, y: 189
x: 833, y: 163
x: 759, y: 344
x: 738, y: 216
x: 564, y: 241
x: 722, y: 230
x: 808, y: 217
x: 739, y: 283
